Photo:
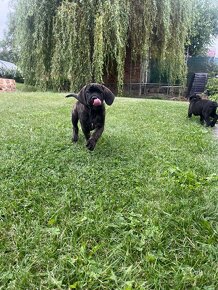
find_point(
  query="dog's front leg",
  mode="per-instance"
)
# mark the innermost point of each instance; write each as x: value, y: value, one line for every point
x: 86, y: 131
x: 94, y: 138
x: 202, y: 119
x: 189, y: 112
x: 207, y: 120
x: 215, y: 118
x: 75, y: 125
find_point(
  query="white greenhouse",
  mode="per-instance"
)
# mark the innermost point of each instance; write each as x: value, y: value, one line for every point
x: 7, y: 69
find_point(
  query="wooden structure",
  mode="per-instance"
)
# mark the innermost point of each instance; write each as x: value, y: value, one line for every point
x: 197, y: 84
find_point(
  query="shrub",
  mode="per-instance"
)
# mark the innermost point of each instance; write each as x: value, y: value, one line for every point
x: 214, y: 97
x: 212, y: 86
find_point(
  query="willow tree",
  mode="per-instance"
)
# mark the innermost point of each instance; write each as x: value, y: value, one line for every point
x: 34, y: 29
x: 69, y: 43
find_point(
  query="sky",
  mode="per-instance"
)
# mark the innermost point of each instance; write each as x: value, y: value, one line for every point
x: 4, y: 10
x: 214, y: 46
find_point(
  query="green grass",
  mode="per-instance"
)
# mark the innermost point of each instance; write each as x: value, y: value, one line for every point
x: 140, y: 212
x: 21, y: 87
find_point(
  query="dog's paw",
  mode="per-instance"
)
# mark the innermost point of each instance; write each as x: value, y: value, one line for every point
x: 75, y: 138
x: 91, y: 144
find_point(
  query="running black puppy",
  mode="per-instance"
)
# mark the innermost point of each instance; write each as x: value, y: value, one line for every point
x: 90, y: 111
x: 206, y: 109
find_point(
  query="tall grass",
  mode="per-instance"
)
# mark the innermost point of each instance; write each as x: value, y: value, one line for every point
x: 140, y: 212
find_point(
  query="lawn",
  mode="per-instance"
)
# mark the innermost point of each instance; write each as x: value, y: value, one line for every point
x: 139, y: 212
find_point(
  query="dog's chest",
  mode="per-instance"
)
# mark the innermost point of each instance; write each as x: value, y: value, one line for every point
x: 95, y: 118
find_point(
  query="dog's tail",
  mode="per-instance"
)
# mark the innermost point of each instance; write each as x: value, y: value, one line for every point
x: 71, y: 95
x: 77, y: 96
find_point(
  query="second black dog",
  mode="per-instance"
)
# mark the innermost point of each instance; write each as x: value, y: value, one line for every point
x: 90, y: 111
x: 206, y: 109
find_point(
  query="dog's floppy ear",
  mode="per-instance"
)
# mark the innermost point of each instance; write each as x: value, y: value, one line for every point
x: 81, y: 96
x: 108, y: 95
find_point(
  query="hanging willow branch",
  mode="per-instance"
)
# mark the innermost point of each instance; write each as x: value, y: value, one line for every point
x: 119, y: 23
x: 98, y: 55
x: 69, y: 43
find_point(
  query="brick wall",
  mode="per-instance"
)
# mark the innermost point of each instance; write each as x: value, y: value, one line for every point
x: 7, y: 85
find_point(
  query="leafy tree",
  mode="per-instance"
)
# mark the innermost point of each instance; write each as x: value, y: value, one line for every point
x: 7, y: 47
x: 6, y: 52
x: 204, y: 26
x: 34, y: 37
x: 68, y: 43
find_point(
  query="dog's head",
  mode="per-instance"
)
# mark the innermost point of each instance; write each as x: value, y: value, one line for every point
x: 194, y: 98
x: 94, y: 95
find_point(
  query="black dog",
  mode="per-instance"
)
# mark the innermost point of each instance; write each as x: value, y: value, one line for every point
x: 90, y: 110
x: 206, y: 109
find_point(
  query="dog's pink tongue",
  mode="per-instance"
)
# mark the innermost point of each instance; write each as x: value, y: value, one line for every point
x: 97, y: 102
